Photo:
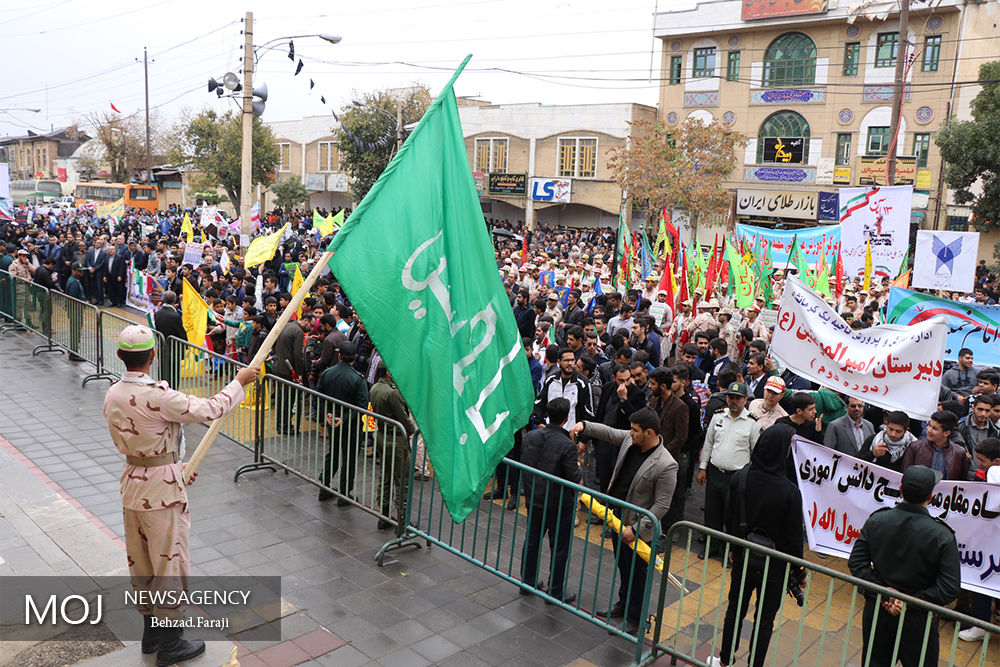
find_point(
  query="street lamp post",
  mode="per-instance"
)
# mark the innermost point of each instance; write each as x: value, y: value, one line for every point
x: 250, y: 57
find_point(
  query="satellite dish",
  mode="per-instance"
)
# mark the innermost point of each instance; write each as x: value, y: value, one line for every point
x: 230, y: 81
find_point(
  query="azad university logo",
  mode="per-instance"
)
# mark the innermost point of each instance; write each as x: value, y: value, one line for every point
x: 945, y: 254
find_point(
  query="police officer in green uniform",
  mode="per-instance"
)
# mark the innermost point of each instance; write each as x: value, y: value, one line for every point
x: 343, y: 383
x: 906, y: 549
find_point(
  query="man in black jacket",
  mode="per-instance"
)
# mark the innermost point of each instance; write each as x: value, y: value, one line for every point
x: 906, y: 549
x: 343, y: 383
x: 115, y: 284
x: 762, y: 501
x: 169, y: 323
x: 290, y: 364
x: 551, y: 507
x: 619, y: 399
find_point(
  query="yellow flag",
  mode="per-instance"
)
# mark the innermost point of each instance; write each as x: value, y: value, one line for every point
x: 867, y: 285
x: 187, y: 229
x: 296, y: 284
x: 331, y: 224
x: 194, y: 316
x: 263, y: 248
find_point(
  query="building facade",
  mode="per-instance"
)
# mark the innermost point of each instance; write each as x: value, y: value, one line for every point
x: 547, y: 165
x: 307, y: 148
x: 38, y: 155
x: 811, y: 84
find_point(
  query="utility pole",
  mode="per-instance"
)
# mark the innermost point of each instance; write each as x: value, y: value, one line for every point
x: 897, y: 96
x: 149, y: 153
x: 246, y: 158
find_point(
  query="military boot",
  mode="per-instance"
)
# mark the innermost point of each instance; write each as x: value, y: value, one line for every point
x: 173, y: 648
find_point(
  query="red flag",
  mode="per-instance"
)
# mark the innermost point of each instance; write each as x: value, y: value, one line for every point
x: 713, y: 268
x: 839, y: 273
x: 683, y: 295
x: 667, y: 282
x: 669, y: 226
x: 524, y: 249
x: 113, y: 107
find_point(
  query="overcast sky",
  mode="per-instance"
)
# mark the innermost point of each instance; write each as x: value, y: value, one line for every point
x: 73, y: 57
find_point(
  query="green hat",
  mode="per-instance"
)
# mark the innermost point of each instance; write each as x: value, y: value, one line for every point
x: 136, y: 338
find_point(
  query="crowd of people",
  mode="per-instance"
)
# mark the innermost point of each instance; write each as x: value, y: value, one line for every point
x: 653, y: 397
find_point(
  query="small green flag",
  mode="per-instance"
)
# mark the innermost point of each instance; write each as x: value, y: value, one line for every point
x: 797, y: 259
x: 741, y: 280
x: 418, y: 264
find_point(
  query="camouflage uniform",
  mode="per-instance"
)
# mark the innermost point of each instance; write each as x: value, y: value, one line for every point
x: 144, y: 418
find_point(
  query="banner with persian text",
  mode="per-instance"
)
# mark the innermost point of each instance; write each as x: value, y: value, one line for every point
x: 839, y: 493
x: 880, y: 216
x: 812, y: 240
x: 894, y: 367
x: 970, y: 325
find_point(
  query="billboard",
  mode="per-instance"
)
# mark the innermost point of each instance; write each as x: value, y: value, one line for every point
x: 766, y: 9
x: 555, y: 190
x: 508, y: 184
x: 787, y: 150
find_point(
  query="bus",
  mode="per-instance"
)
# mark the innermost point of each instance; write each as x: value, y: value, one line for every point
x: 34, y: 191
x: 135, y: 195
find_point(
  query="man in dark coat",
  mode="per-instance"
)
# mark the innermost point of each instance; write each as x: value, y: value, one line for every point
x: 115, y: 283
x: 906, y: 549
x: 551, y: 509
x: 290, y: 364
x: 343, y: 383
x: 169, y: 323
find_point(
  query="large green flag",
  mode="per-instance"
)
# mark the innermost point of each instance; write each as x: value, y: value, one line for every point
x: 417, y: 262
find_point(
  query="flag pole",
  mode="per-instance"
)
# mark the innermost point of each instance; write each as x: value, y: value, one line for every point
x: 259, y: 358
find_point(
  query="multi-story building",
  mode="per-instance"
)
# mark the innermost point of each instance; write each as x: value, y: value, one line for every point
x: 35, y: 155
x: 546, y: 164
x: 307, y: 148
x: 811, y: 84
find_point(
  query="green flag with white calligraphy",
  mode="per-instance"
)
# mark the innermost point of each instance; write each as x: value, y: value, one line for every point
x: 417, y: 262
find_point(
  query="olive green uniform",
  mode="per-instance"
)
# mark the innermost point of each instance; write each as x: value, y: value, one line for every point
x: 907, y: 549
x: 392, y: 447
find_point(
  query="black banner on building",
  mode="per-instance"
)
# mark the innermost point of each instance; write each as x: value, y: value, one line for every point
x: 784, y: 150
x: 508, y: 184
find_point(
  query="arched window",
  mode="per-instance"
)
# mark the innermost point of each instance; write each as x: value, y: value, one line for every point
x: 784, y: 124
x: 790, y: 60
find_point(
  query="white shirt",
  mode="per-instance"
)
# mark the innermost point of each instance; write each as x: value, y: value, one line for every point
x: 729, y: 441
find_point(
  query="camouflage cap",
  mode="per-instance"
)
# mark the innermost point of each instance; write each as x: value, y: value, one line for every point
x: 136, y: 338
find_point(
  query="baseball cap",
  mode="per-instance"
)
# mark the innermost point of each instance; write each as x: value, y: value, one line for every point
x: 737, y: 389
x: 136, y: 338
x: 920, y: 479
x: 775, y: 384
x: 553, y: 296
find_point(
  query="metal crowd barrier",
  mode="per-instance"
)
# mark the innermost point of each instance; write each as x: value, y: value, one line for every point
x: 75, y: 327
x: 31, y: 309
x: 109, y: 366
x: 286, y: 427
x: 493, y: 539
x: 6, y: 298
x: 825, y: 629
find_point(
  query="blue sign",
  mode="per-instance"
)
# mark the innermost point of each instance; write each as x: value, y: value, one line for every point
x: 829, y: 206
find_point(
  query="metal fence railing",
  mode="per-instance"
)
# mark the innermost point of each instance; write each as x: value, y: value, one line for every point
x: 825, y: 629
x: 30, y: 308
x: 598, y: 572
x: 7, y: 300
x: 75, y: 327
x: 109, y: 366
x: 344, y: 450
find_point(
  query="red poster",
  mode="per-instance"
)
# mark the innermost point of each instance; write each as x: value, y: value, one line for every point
x: 61, y: 174
x: 765, y: 9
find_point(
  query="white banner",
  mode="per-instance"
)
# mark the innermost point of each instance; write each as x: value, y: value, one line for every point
x: 881, y: 215
x: 839, y: 492
x: 946, y: 260
x: 891, y: 366
x: 194, y: 254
